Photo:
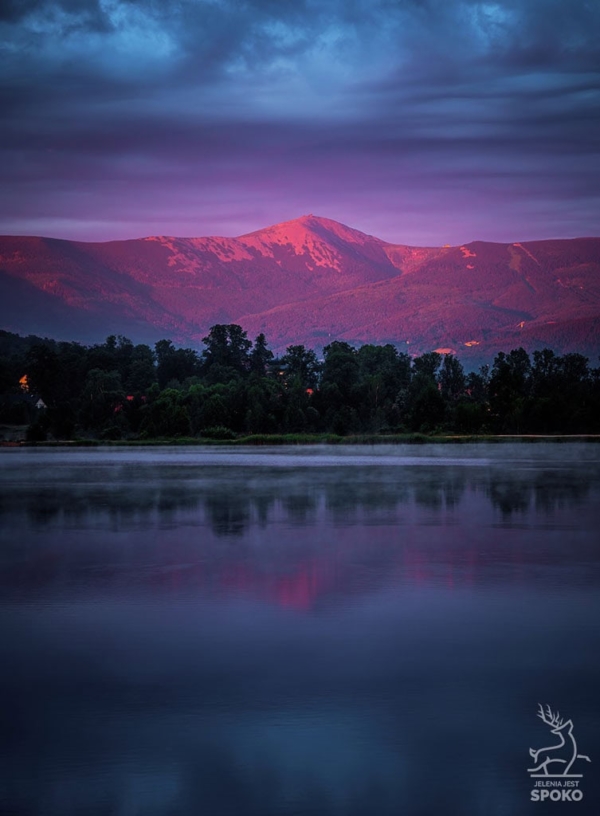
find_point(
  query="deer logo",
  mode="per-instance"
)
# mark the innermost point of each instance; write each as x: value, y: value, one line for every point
x: 556, y: 760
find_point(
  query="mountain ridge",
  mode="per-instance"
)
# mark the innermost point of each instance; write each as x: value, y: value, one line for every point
x: 308, y: 280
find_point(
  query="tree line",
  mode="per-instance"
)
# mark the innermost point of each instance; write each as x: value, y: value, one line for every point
x: 236, y: 387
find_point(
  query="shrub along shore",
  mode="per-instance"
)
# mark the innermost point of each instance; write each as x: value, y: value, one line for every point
x: 236, y: 392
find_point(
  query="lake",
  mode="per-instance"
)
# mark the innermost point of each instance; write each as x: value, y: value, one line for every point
x: 361, y: 631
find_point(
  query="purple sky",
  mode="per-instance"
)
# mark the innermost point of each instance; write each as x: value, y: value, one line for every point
x: 419, y: 121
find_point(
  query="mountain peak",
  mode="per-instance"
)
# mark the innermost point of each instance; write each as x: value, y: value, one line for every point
x: 323, y: 229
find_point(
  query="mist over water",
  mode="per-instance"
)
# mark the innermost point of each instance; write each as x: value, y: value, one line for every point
x: 295, y: 630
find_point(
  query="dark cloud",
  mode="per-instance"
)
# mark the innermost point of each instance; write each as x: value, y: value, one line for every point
x: 221, y: 115
x: 13, y: 10
x: 55, y: 16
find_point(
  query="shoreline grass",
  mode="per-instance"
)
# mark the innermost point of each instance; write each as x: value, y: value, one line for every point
x: 318, y: 439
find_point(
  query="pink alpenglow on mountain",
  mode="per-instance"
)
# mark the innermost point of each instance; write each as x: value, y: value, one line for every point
x: 310, y: 281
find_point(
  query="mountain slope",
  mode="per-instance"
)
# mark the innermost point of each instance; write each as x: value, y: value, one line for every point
x: 471, y: 299
x: 308, y: 281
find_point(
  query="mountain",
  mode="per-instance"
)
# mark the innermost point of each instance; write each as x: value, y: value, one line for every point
x: 308, y: 281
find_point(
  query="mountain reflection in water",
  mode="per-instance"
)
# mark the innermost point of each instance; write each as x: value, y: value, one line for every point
x: 331, y: 631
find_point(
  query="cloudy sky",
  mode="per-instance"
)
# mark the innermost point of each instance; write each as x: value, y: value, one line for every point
x: 420, y: 121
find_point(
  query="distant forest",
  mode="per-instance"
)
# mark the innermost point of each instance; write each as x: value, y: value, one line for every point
x: 236, y: 387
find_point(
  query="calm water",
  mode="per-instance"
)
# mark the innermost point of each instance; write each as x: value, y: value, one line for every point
x: 328, y: 631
